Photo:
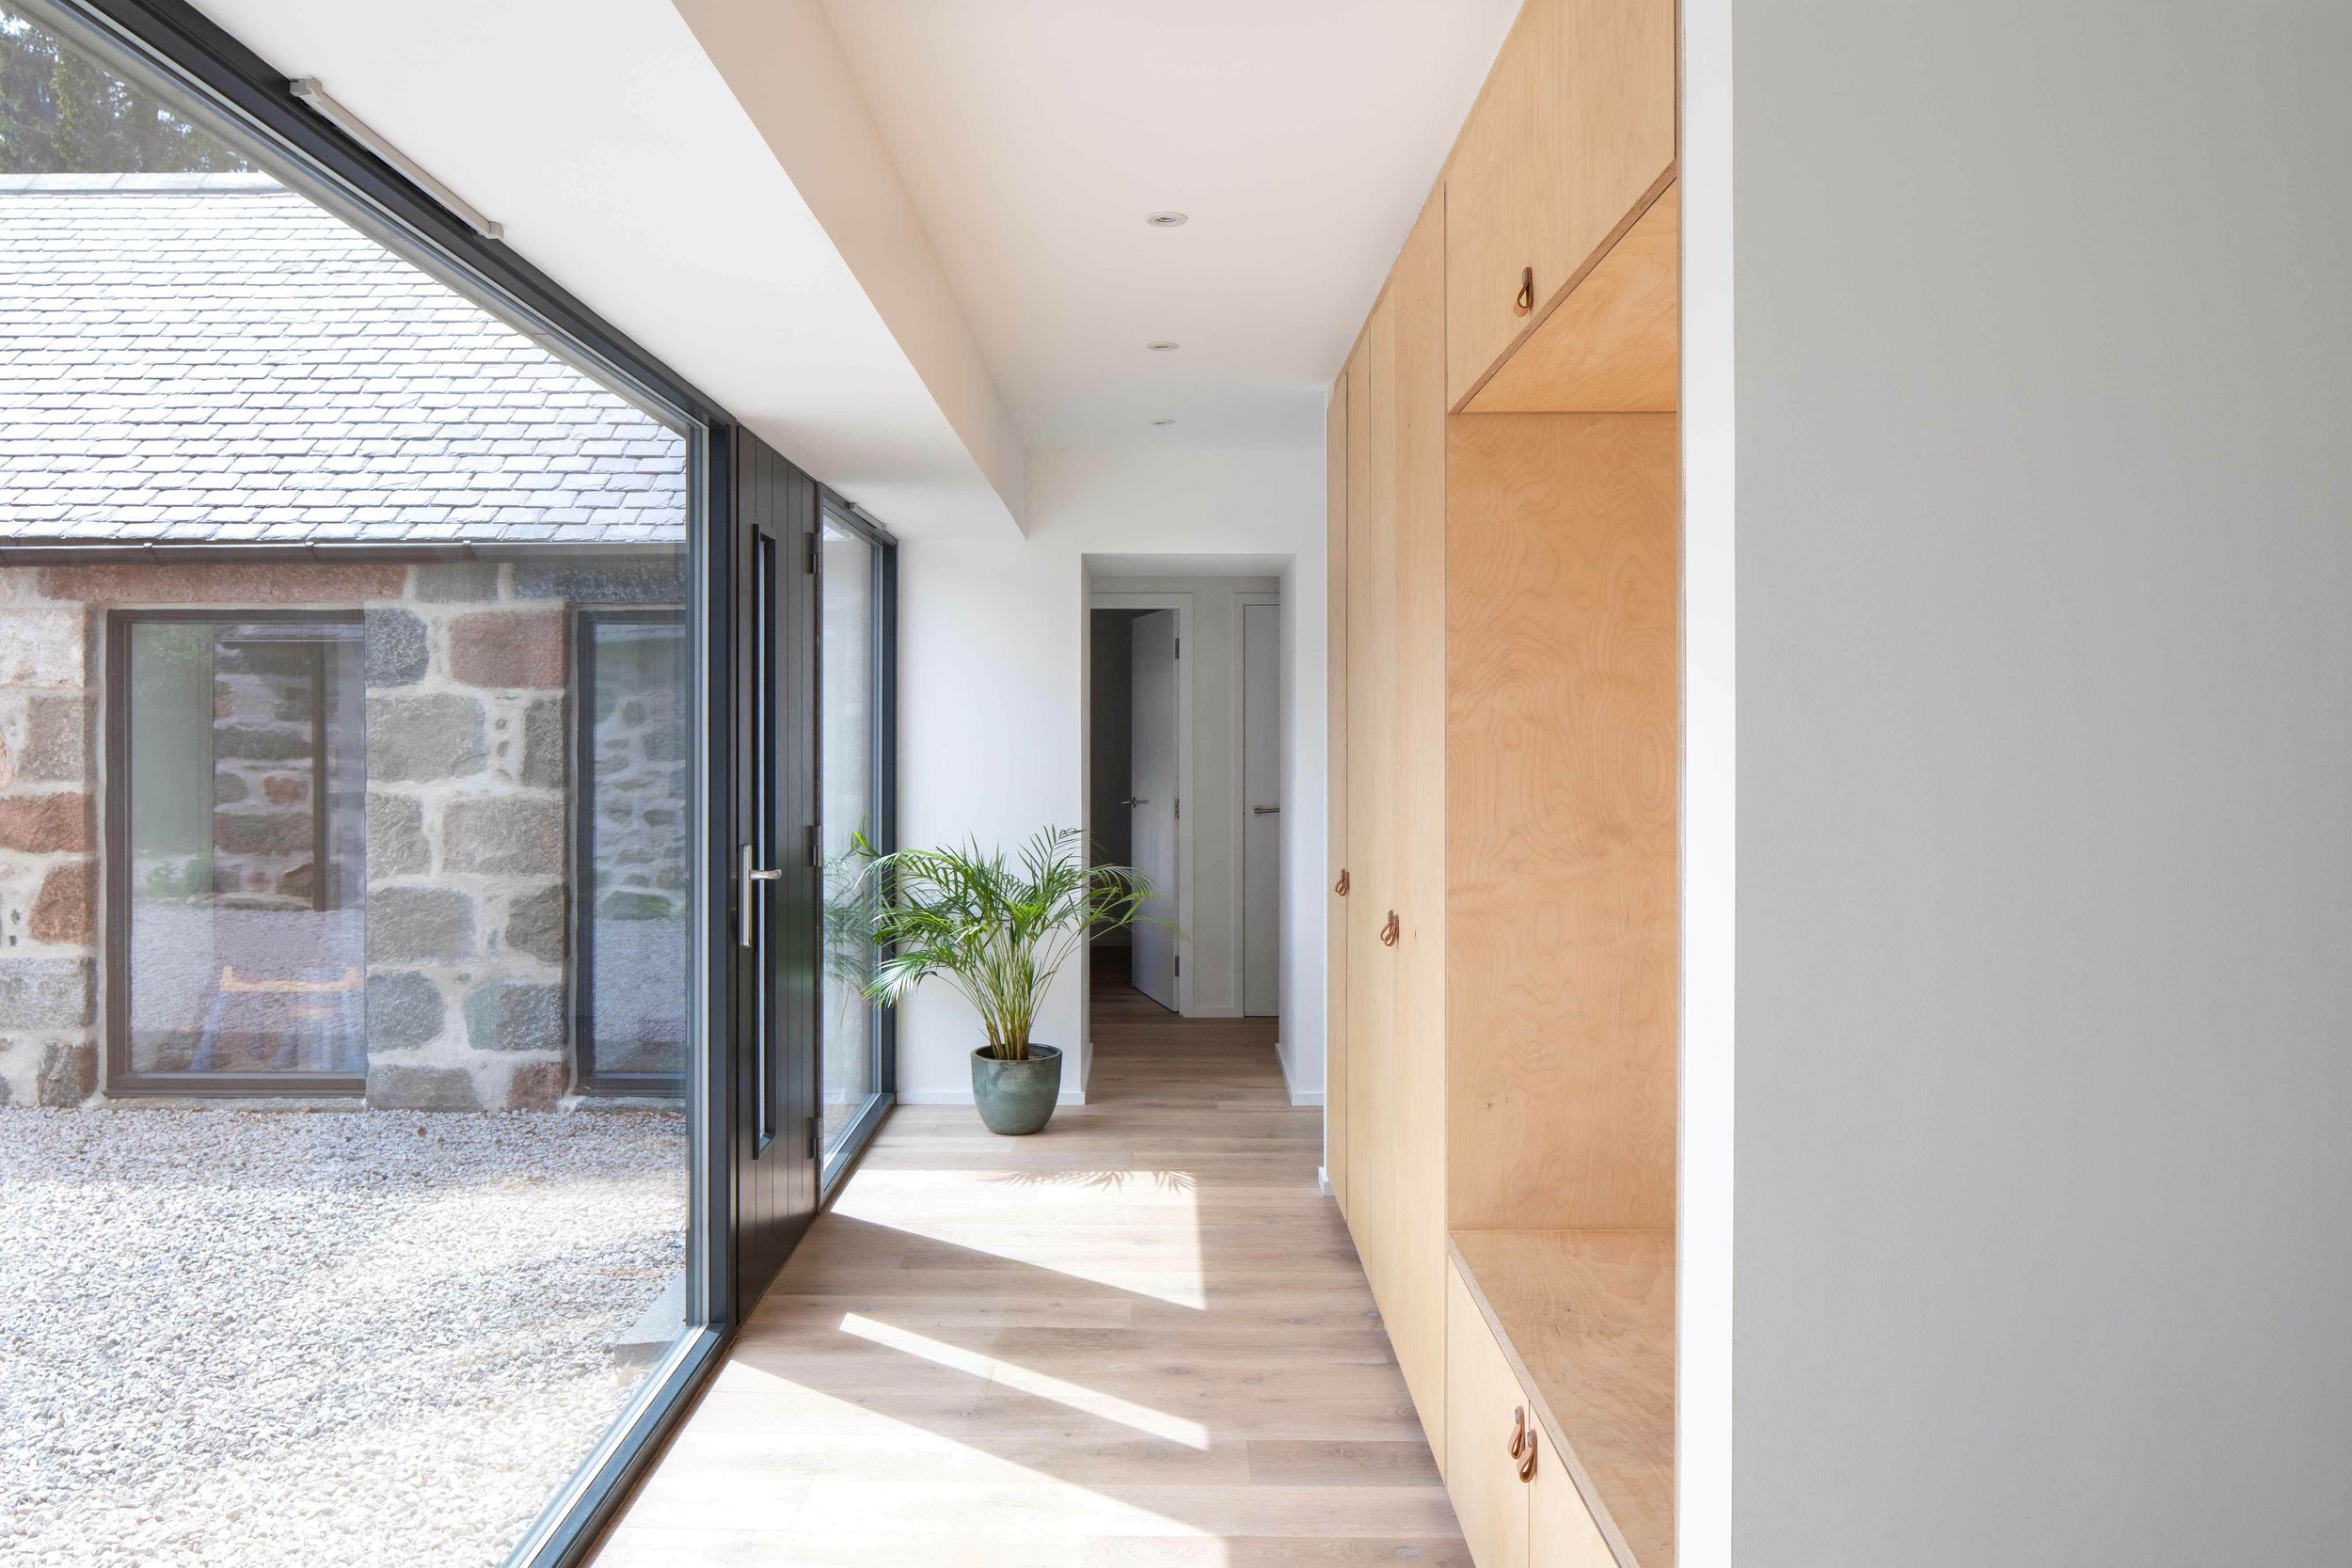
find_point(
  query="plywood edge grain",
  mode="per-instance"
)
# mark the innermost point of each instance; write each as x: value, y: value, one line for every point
x: 1585, y: 1319
x: 1612, y: 344
x: 1666, y: 180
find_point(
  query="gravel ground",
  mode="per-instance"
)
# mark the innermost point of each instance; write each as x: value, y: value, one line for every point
x: 259, y: 1338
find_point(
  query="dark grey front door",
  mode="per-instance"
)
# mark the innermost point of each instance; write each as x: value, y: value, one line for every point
x: 775, y: 932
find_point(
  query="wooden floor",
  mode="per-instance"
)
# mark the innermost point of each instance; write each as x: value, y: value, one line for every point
x: 1139, y: 1337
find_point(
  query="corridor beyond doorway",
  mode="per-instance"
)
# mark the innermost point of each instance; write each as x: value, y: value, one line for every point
x: 1138, y: 1337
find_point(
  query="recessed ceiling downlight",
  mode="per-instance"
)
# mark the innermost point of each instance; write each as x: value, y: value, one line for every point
x: 1164, y: 220
x: 1162, y: 346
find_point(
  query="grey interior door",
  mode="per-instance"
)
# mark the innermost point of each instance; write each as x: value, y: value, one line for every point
x: 1261, y: 821
x: 1152, y: 810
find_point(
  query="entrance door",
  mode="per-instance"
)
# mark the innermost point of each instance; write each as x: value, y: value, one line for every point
x: 1262, y: 828
x: 775, y: 924
x: 1153, y: 809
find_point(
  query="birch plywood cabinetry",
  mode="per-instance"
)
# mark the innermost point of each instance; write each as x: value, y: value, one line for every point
x: 1335, y: 842
x: 1571, y: 139
x: 1506, y: 778
x: 1561, y: 656
x: 1395, y: 942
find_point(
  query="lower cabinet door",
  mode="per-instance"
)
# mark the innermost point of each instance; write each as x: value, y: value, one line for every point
x: 1486, y: 1409
x: 1561, y: 1532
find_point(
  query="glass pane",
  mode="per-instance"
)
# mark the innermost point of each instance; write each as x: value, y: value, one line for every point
x: 248, y: 847
x: 347, y: 1004
x: 850, y: 1045
x: 633, y: 860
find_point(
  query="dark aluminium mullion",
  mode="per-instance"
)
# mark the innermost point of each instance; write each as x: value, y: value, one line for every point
x: 565, y: 1537
x: 886, y: 767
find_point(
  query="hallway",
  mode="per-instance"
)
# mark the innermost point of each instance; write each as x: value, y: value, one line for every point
x: 1139, y: 1337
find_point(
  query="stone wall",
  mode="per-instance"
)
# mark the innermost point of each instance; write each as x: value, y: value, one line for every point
x: 48, y: 900
x: 467, y: 817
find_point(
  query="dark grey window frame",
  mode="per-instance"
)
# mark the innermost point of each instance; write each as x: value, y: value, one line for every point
x: 585, y: 618
x: 836, y: 1164
x: 242, y: 97
x: 124, y: 1080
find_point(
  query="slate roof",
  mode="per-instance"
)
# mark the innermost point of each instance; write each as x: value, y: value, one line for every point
x: 214, y: 358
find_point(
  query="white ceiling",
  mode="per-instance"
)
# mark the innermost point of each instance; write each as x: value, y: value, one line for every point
x: 747, y: 186
x: 1301, y: 136
x: 601, y: 136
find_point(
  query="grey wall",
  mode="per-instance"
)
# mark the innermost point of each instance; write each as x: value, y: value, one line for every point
x: 2045, y: 647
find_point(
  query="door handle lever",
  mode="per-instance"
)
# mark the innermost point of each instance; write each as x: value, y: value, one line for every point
x: 748, y: 874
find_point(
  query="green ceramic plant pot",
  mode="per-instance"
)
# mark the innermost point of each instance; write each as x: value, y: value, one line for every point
x: 1017, y: 1097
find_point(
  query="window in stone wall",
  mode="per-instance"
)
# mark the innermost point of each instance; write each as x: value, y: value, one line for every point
x: 235, y: 957
x: 629, y: 833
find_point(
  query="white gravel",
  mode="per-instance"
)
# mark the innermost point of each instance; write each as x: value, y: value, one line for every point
x: 257, y: 1337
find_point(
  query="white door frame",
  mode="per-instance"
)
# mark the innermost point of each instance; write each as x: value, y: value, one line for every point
x: 1242, y: 603
x: 1181, y: 604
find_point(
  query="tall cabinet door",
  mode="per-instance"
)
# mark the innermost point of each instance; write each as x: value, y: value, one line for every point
x: 1335, y: 1060
x: 1414, y: 1128
x: 1371, y: 642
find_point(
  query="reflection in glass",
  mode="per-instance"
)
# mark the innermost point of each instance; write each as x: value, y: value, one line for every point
x: 850, y: 1027
x: 247, y: 836
x: 342, y: 624
x: 631, y: 858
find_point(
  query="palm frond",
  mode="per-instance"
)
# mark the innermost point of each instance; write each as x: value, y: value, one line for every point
x: 997, y: 931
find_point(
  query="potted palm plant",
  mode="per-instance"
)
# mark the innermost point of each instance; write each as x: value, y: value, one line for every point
x: 997, y: 929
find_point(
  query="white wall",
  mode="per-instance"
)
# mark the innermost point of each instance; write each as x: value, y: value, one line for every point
x: 2045, y: 640
x: 1211, y: 946
x: 992, y: 690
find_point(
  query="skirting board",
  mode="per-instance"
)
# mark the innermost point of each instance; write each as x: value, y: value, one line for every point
x: 1312, y: 1097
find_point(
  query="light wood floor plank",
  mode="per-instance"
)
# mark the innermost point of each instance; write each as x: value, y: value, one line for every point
x: 1139, y: 1340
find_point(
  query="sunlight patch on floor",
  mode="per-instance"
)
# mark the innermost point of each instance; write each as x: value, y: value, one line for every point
x: 1152, y: 1248
x: 1087, y: 1402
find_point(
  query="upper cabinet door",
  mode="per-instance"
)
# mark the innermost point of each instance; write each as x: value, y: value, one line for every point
x: 1572, y: 137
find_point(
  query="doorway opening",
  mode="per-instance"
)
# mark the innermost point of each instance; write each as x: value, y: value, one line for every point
x: 1187, y: 760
